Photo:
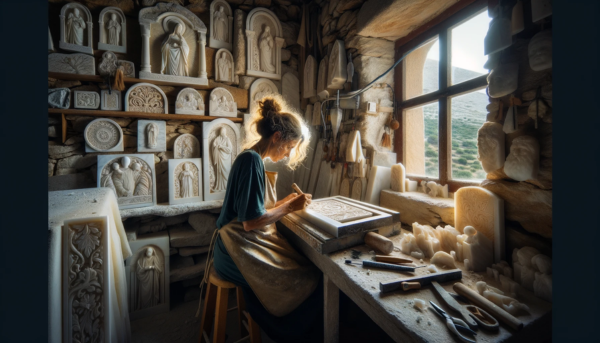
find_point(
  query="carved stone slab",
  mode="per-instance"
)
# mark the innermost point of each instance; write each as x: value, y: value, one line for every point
x: 221, y: 22
x: 322, y: 79
x: 71, y: 64
x: 224, y: 66
x: 128, y: 68
x: 113, y: 30
x: 151, y: 135
x: 76, y: 28
x: 264, y: 40
x: 130, y: 176
x: 146, y: 97
x: 148, y: 290
x: 186, y: 146
x: 258, y: 90
x: 221, y: 103
x: 110, y: 102
x: 310, y: 77
x: 379, y: 179
x: 103, y: 135
x: 189, y: 101
x: 221, y: 145
x: 85, y: 99
x: 336, y: 71
x: 86, y: 279
x: 185, y: 180
x: 483, y: 210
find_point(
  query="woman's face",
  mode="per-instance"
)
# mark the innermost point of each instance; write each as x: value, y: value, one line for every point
x: 281, y: 149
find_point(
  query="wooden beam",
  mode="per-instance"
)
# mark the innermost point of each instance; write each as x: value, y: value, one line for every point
x: 454, y: 90
x: 127, y: 80
x: 141, y: 115
x: 331, y: 311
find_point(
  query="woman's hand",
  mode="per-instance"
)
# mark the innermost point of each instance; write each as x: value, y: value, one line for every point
x: 299, y: 202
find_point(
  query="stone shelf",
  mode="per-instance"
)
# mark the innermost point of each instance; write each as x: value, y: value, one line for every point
x: 142, y: 115
x: 127, y: 80
x: 166, y: 210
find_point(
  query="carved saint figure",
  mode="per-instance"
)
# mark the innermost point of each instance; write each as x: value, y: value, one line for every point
x: 75, y: 26
x: 151, y: 135
x: 175, y: 52
x: 221, y: 154
x: 143, y: 182
x: 224, y: 65
x: 221, y: 26
x: 114, y: 30
x: 266, y: 47
x: 148, y: 272
x: 186, y: 182
x: 189, y: 102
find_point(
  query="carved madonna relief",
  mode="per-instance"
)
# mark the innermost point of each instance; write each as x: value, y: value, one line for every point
x: 72, y: 64
x: 189, y: 101
x: 264, y: 38
x: 113, y: 30
x: 310, y: 78
x: 102, y: 135
x: 221, y: 146
x: 322, y: 79
x: 260, y: 89
x: 146, y: 97
x: 224, y: 66
x: 337, y: 73
x: 186, y: 146
x: 221, y: 20
x: 339, y: 211
x: 131, y: 177
x: 151, y: 135
x: 76, y: 28
x: 184, y: 180
x: 173, y: 45
x: 221, y: 103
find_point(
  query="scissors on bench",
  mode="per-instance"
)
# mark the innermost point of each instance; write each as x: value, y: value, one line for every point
x: 455, y: 324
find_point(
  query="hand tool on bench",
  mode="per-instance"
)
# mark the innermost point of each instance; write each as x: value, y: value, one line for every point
x: 379, y: 242
x: 372, y: 264
x: 449, y: 275
x: 392, y: 259
x: 472, y: 315
x: 454, y: 324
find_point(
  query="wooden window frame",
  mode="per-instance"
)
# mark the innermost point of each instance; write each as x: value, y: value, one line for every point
x: 440, y: 27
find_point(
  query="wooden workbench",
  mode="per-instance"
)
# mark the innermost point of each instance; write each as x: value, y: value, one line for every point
x: 394, y: 311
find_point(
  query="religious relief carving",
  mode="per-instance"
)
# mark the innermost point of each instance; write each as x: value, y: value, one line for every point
x: 84, y: 99
x: 145, y: 97
x: 71, y: 64
x: 310, y: 84
x: 184, y: 180
x: 337, y: 73
x: 113, y: 30
x: 131, y: 177
x: 239, y: 43
x: 110, y: 101
x: 221, y: 150
x: 175, y: 51
x: 265, y: 39
x: 221, y: 20
x: 339, y: 211
x: 76, y: 28
x: 221, y: 103
x: 224, y: 66
x: 189, y: 101
x: 186, y: 146
x: 151, y: 136
x: 322, y: 79
x: 108, y: 65
x: 221, y: 145
x: 260, y: 89
x: 128, y: 68
x: 103, y: 135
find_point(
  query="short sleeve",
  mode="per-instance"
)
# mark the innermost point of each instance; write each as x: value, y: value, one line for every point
x: 249, y: 201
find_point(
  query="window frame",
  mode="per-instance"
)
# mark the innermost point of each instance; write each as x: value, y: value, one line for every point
x: 441, y: 27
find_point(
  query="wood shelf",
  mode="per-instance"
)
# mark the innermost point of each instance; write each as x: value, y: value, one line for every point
x: 127, y: 80
x: 141, y: 115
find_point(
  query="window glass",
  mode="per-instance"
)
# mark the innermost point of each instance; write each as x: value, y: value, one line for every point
x: 467, y: 48
x: 421, y: 70
x: 422, y: 140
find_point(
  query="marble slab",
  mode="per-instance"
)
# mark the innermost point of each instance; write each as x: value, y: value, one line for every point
x: 110, y: 102
x: 185, y: 180
x: 134, y: 183
x: 186, y: 146
x: 86, y: 100
x: 152, y: 136
x: 264, y: 37
x: 221, y: 144
x: 379, y: 179
x: 189, y: 101
x: 103, y: 135
x: 71, y: 64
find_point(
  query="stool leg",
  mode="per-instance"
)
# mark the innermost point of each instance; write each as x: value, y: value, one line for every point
x: 221, y: 315
x: 208, y: 312
x: 254, y: 331
x: 241, y: 303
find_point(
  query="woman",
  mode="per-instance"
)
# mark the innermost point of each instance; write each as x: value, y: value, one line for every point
x: 278, y: 283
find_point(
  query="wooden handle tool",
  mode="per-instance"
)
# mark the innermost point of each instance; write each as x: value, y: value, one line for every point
x: 410, y: 285
x: 378, y: 242
x: 296, y: 188
x: 392, y: 259
x: 488, y: 306
x: 449, y: 275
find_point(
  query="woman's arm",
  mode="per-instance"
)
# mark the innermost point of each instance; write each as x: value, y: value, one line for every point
x: 297, y: 202
x: 291, y: 196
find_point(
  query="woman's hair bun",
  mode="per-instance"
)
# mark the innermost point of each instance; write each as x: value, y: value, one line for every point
x: 268, y: 106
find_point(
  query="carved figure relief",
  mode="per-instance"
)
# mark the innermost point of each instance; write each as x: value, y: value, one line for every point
x: 524, y: 159
x: 184, y: 180
x: 260, y: 89
x: 103, y: 135
x: 189, y: 101
x: 149, y: 281
x: 224, y: 66
x: 108, y: 65
x: 186, y: 146
x: 221, y: 146
x: 221, y: 160
x: 322, y: 81
x: 264, y: 36
x: 175, y: 51
x: 113, y: 30
x: 187, y: 177
x: 76, y: 28
x: 310, y: 85
x: 221, y: 103
x: 84, y: 99
x: 239, y: 43
x: 339, y: 211
x: 490, y: 146
x: 266, y: 49
x: 221, y: 20
x: 110, y: 101
x: 128, y: 68
x: 337, y: 73
x: 151, y: 135
x: 145, y: 97
x: 71, y: 64
x: 131, y: 177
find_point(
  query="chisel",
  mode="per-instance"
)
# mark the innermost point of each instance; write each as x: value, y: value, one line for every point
x: 371, y: 264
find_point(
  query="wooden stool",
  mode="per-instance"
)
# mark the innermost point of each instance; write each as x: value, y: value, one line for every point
x: 215, y: 302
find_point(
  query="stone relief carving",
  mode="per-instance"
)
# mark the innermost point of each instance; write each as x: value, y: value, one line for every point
x: 76, y: 28
x: 148, y: 278
x: 84, y: 99
x: 110, y: 101
x: 224, y: 66
x: 310, y: 85
x: 322, y: 79
x: 503, y: 80
x: 189, y: 101
x: 113, y: 30
x: 108, y: 64
x: 260, y: 89
x: 128, y: 68
x: 131, y: 177
x: 490, y: 146
x: 71, y: 64
x: 145, y: 97
x: 523, y: 162
x: 540, y: 51
x: 186, y: 146
x: 339, y: 211
x: 175, y: 51
x: 239, y: 43
x: 265, y: 39
x: 337, y: 73
x: 290, y: 87
x: 221, y: 20
x: 103, y: 135
x: 221, y: 103
x: 221, y: 145
x: 187, y: 185
x: 184, y: 180
x: 151, y: 136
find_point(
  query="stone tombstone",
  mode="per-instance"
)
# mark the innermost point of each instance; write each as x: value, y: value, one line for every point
x: 103, y: 135
x: 239, y: 43
x: 221, y: 22
x: 258, y: 90
x: 76, y: 28
x: 290, y: 87
x: 86, y: 257
x: 110, y: 101
x: 71, y: 64
x: 483, y: 210
x: 113, y: 30
x: 189, y: 101
x: 50, y: 42
x: 310, y: 78
x: 322, y: 79
x: 221, y: 144
x: 86, y: 100
x: 146, y: 97
x: 224, y: 66
x: 523, y: 162
x: 59, y: 98
x: 264, y: 37
x: 337, y: 73
x: 185, y: 180
x: 186, y: 146
x: 131, y: 177
x: 147, y: 272
x: 173, y: 45
x: 540, y: 51
x: 503, y: 80
x: 128, y: 68
x: 490, y: 146
x: 221, y: 103
x: 151, y: 136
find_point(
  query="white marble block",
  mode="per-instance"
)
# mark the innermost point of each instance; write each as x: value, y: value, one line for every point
x: 146, y: 97
x: 324, y: 181
x: 397, y: 181
x: 189, y: 101
x: 71, y: 64
x: 264, y: 37
x: 336, y: 71
x: 185, y: 180
x: 322, y: 92
x: 186, y: 146
x: 490, y: 146
x: 128, y: 68
x: 290, y: 89
x: 483, y: 210
x: 130, y: 176
x: 523, y: 162
x: 221, y: 103
x: 151, y: 136
x: 221, y: 145
x: 478, y: 249
x: 411, y: 186
x: 113, y: 30
x: 103, y: 135
x: 110, y: 101
x: 173, y: 45
x: 76, y: 28
x: 379, y: 179
x: 221, y: 22
x: 86, y: 100
x: 310, y: 77
x: 224, y: 66
x: 258, y: 90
